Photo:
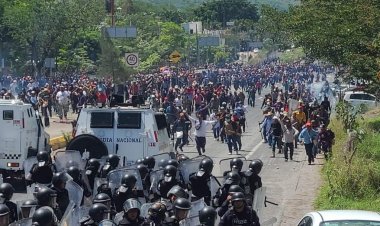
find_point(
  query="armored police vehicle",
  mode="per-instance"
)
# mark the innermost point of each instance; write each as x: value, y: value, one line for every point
x: 130, y: 132
x: 22, y: 136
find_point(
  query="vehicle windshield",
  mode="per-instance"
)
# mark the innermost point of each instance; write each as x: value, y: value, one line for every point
x: 351, y: 223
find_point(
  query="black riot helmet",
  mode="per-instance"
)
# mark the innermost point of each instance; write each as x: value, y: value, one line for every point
x: 143, y: 170
x: 157, y: 211
x: 27, y: 206
x: 46, y: 196
x: 236, y: 164
x: 163, y: 163
x: 233, y: 178
x: 178, y: 192
x: 59, y: 178
x: 237, y: 196
x: 74, y: 172
x: 173, y: 162
x: 131, y: 204
x: 182, y: 158
x: 93, y: 166
x: 170, y: 171
x: 207, y: 216
x: 6, y: 190
x: 43, y: 158
x: 235, y: 188
x: 139, y: 161
x: 182, y: 204
x: 255, y: 166
x: 206, y: 166
x: 150, y: 162
x: 103, y: 198
x: 98, y: 212
x: 113, y: 160
x: 4, y: 214
x: 129, y: 180
x: 44, y: 216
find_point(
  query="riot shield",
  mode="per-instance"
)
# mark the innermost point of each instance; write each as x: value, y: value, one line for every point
x: 196, y: 206
x: 224, y: 164
x: 155, y: 177
x: 107, y: 223
x: 214, y: 185
x: 68, y: 218
x: 189, y: 166
x: 28, y: 164
x: 259, y: 200
x: 114, y: 178
x: 190, y: 221
x: 145, y: 209
x: 66, y: 158
x: 75, y: 192
x: 23, y: 222
x: 269, y: 222
x: 159, y: 157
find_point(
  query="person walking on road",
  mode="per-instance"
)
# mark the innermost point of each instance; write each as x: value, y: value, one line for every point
x: 308, y: 137
x: 200, y: 126
x: 289, y: 136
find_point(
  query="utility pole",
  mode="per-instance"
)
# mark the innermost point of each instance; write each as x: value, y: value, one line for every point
x: 197, y: 39
x: 112, y: 13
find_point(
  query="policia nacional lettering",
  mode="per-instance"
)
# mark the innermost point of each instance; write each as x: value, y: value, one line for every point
x: 121, y: 140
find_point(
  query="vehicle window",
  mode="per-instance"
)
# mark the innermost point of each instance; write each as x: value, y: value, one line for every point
x: 356, y: 96
x: 130, y: 120
x: 306, y: 221
x: 351, y: 223
x: 8, y: 115
x: 368, y: 97
x: 101, y: 120
x: 161, y: 121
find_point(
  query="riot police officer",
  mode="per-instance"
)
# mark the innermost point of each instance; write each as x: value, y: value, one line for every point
x: 164, y: 185
x: 105, y: 199
x: 156, y: 214
x: 4, y: 215
x: 162, y: 163
x: 150, y: 162
x: 47, y: 197
x: 240, y: 213
x: 42, y: 172
x: 126, y: 191
x: 207, y: 216
x: 44, y: 216
x: 7, y: 191
x: 252, y: 175
x: 199, y: 181
x: 173, y: 194
x: 232, y: 178
x: 59, y: 184
x: 97, y: 213
x: 236, y: 164
x: 92, y: 169
x: 74, y: 172
x: 112, y: 163
x: 131, y: 215
x: 145, y: 177
x: 226, y: 204
x: 181, y: 208
x: 27, y: 207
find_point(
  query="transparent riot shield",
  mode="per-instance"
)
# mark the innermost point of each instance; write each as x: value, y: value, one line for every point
x: 189, y: 166
x: 63, y: 159
x: 107, y: 223
x: 269, y: 222
x: 155, y: 177
x: 259, y: 201
x: 196, y: 206
x: 68, y: 217
x: 145, y: 209
x: 114, y: 178
x: 75, y: 192
x: 159, y: 157
x: 214, y: 185
x: 118, y: 217
x: 97, y: 183
x: 23, y: 222
x: 224, y: 164
x: 28, y: 164
x: 190, y: 221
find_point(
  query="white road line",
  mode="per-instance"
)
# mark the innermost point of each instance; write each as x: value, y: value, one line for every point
x: 256, y: 148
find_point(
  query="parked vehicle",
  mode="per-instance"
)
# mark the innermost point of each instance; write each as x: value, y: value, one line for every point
x: 341, y: 217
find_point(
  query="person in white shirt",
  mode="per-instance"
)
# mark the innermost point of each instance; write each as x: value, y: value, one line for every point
x: 289, y: 134
x: 63, y: 102
x: 200, y: 126
x: 216, y: 125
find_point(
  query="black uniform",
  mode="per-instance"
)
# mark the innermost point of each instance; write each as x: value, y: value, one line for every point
x: 122, y: 194
x: 200, y: 186
x: 221, y: 195
x: 13, y: 211
x: 164, y: 187
x: 63, y: 199
x: 42, y: 174
x: 126, y: 222
x: 247, y: 217
x: 254, y: 182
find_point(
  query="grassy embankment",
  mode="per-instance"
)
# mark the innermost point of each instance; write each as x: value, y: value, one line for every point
x: 352, y: 178
x: 292, y: 55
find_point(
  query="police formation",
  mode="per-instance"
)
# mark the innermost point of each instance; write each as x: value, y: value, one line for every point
x: 157, y: 190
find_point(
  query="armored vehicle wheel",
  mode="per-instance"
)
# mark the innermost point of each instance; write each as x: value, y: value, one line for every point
x: 90, y: 143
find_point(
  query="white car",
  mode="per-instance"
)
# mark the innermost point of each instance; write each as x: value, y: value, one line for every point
x: 356, y: 98
x: 341, y: 217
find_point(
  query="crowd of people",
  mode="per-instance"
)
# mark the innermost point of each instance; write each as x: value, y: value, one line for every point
x: 294, y: 112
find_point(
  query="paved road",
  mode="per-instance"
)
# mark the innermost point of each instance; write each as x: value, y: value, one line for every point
x: 292, y: 185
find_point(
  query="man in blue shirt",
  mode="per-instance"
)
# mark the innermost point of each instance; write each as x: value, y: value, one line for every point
x: 308, y: 136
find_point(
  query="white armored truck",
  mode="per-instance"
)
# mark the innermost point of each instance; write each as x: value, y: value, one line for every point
x: 130, y: 132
